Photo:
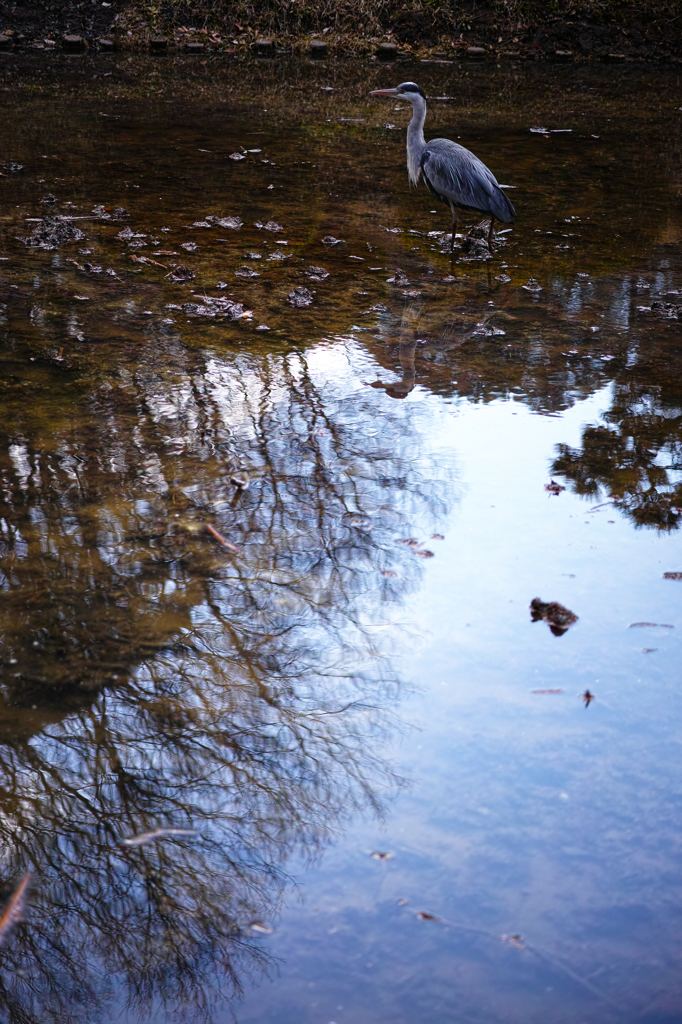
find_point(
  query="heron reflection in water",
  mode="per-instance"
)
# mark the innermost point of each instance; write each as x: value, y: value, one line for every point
x: 452, y: 173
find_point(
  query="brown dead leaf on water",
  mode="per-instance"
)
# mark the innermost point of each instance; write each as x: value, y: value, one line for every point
x: 380, y: 855
x: 513, y: 940
x: 14, y: 909
x: 423, y: 916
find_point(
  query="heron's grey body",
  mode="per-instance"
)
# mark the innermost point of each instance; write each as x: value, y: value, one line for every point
x: 453, y: 174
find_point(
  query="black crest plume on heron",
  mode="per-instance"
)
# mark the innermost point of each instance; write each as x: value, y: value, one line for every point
x: 451, y: 173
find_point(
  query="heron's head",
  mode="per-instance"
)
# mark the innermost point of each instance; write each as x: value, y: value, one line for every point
x: 406, y: 91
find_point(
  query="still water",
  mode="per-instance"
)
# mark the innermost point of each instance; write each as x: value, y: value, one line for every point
x: 267, y: 570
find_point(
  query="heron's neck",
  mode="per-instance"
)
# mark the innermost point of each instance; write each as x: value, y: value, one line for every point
x: 415, y: 138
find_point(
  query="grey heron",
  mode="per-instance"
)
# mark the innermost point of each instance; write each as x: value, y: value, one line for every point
x: 451, y: 173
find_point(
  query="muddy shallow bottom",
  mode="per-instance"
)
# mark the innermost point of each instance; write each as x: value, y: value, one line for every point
x: 267, y: 564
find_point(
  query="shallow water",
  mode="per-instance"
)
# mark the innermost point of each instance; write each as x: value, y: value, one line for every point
x: 344, y: 664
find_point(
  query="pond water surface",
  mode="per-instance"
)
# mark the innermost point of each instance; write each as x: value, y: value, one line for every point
x: 266, y: 571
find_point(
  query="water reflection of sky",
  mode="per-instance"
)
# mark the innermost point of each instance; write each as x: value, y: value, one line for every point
x: 360, y: 675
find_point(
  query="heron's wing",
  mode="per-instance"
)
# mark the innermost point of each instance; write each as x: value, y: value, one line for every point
x: 454, y: 173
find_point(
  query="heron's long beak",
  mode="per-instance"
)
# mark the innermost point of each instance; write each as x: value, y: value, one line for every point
x: 384, y: 92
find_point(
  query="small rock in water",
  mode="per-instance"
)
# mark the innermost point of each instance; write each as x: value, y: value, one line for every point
x: 215, y: 307
x: 317, y: 273
x: 449, y: 279
x: 13, y: 168
x: 222, y: 284
x: 475, y: 245
x: 253, y: 256
x: 262, y: 327
x: 181, y: 273
x: 279, y: 255
x: 127, y: 233
x: 299, y: 298
x: 554, y: 614
x: 226, y: 222
x: 201, y: 224
x: 52, y: 233
x: 400, y: 279
x: 272, y: 225
x: 531, y: 285
x: 488, y: 332
x: 188, y: 246
x: 50, y: 199
x: 503, y: 278
x: 379, y: 308
x: 120, y: 213
x: 136, y: 243
x: 246, y: 272
x: 414, y: 294
x: 237, y: 156
x: 99, y: 211
x: 668, y: 310
x: 330, y: 240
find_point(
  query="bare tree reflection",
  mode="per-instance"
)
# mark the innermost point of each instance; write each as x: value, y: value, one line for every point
x: 153, y: 678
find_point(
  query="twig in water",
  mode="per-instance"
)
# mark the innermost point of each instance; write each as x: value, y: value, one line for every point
x: 14, y: 908
x: 609, y: 502
x: 219, y: 536
x: 157, y: 833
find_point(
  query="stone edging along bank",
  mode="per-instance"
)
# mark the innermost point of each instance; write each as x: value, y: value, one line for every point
x: 586, y: 30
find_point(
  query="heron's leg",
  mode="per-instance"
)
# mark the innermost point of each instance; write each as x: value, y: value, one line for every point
x: 490, y: 236
x: 454, y: 226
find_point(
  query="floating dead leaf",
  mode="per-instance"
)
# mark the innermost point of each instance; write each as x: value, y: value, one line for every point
x: 423, y: 552
x: 513, y: 940
x: 158, y: 833
x: 381, y: 855
x: 649, y: 650
x: 587, y: 697
x: 554, y: 488
x: 402, y: 902
x: 672, y: 575
x: 390, y: 574
x: 557, y: 617
x: 261, y: 927
x: 437, y: 536
x: 423, y: 916
x: 14, y: 909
